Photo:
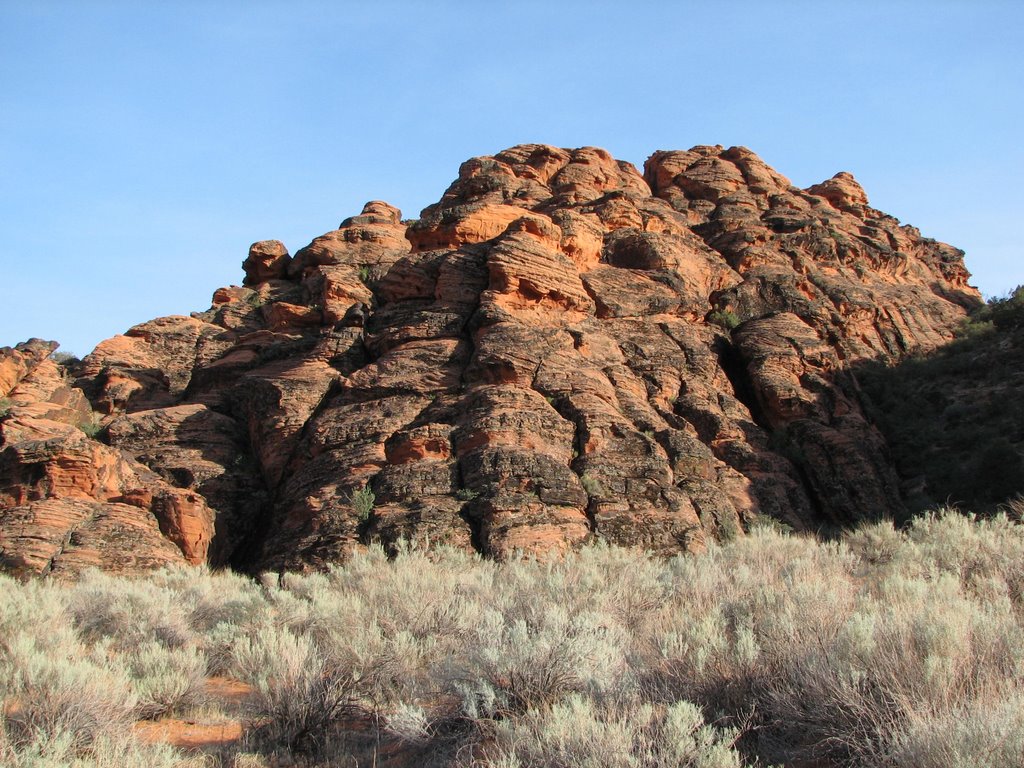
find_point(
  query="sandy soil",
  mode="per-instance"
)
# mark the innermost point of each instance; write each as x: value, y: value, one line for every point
x: 222, y: 728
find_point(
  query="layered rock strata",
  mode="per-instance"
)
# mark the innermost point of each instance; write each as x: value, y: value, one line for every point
x: 560, y: 349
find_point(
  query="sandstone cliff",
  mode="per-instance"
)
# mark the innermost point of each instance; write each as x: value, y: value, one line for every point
x: 560, y: 348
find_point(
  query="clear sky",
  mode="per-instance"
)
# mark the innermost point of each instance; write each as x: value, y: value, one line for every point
x: 145, y: 145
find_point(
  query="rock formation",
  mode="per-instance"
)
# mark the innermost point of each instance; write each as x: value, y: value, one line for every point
x: 559, y: 349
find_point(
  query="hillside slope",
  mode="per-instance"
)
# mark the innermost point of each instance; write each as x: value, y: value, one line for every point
x: 560, y: 348
x: 954, y: 418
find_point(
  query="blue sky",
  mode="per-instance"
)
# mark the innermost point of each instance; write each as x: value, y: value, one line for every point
x: 145, y: 145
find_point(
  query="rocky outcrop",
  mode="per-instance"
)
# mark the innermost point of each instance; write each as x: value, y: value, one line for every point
x: 68, y: 501
x: 561, y: 348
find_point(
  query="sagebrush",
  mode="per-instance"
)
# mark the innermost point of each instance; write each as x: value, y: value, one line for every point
x: 887, y: 648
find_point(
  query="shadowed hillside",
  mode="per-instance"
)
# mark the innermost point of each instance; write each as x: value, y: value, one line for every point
x: 954, y: 418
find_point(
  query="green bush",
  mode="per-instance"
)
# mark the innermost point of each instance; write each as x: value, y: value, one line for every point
x: 362, y: 502
x: 66, y: 360
x: 591, y: 485
x: 724, y: 318
x: 91, y: 425
x: 1004, y: 313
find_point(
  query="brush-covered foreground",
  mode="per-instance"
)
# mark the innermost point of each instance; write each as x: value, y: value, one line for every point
x: 888, y: 648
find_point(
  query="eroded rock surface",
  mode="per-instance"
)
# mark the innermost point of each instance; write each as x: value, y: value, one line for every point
x: 561, y: 348
x: 69, y: 501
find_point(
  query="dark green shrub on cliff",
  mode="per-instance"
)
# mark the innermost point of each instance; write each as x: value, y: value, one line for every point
x: 1005, y: 313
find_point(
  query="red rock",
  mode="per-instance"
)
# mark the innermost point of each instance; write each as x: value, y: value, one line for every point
x: 150, y: 366
x: 17, y: 363
x: 63, y: 537
x: 281, y: 315
x: 121, y: 501
x: 559, y: 349
x: 843, y: 192
x: 483, y: 223
x: 267, y: 260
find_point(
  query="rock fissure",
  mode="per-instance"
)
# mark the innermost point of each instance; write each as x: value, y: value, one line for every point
x: 65, y: 542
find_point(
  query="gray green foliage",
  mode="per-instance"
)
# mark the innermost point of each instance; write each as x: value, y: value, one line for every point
x: 888, y: 648
x: 591, y: 485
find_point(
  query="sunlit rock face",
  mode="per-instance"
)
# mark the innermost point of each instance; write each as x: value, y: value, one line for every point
x: 561, y: 349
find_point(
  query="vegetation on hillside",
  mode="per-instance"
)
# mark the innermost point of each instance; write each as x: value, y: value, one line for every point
x: 954, y: 418
x: 887, y: 648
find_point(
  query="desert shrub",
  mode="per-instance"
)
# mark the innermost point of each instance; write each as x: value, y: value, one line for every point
x: 875, y: 544
x: 986, y: 734
x: 576, y: 733
x: 209, y: 598
x: 165, y: 679
x: 57, y: 750
x: 769, y: 522
x: 1014, y: 509
x: 34, y: 607
x: 908, y: 652
x: 513, y: 664
x: 627, y: 584
x: 207, y: 610
x: 128, y: 611
x: 298, y: 695
x: 393, y: 622
x: 891, y: 647
x: 837, y: 651
x: 410, y: 723
x: 69, y: 702
x: 743, y: 611
x: 964, y: 546
x: 5, y: 406
x: 62, y: 689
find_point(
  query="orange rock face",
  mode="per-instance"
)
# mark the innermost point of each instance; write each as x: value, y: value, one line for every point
x: 560, y: 349
x: 68, y: 501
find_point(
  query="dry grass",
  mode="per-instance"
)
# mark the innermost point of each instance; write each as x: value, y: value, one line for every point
x: 889, y: 648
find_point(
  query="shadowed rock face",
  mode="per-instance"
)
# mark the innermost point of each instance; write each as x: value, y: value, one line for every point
x: 560, y: 348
